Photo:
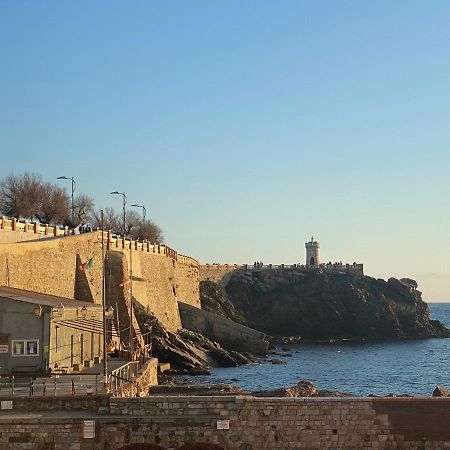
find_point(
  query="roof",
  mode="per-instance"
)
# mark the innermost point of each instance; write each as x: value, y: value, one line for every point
x: 42, y: 299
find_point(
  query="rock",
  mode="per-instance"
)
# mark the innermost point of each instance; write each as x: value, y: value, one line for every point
x: 440, y: 391
x: 187, y: 352
x: 303, y: 389
x: 277, y: 361
x: 328, y: 307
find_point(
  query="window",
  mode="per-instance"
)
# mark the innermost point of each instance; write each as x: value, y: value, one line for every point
x: 25, y: 347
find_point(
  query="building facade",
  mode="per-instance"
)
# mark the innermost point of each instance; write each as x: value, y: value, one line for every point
x: 42, y: 333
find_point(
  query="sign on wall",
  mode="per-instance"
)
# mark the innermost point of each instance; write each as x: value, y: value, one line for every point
x: 89, y: 429
x: 3, y: 343
x: 223, y: 424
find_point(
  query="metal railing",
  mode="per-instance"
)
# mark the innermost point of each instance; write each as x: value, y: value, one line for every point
x: 123, y: 375
x: 58, y: 385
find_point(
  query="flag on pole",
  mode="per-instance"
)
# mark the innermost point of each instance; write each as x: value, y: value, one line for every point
x: 89, y: 264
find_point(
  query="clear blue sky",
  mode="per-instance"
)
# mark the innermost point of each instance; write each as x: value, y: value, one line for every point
x: 244, y: 126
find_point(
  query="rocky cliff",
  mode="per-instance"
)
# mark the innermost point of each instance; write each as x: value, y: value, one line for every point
x: 319, y: 306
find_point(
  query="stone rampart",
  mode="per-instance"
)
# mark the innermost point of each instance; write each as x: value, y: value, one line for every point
x: 50, y: 266
x: 228, y: 334
x: 221, y: 273
x: 238, y: 423
x: 13, y: 230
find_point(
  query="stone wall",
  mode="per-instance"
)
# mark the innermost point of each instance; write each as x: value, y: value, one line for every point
x: 50, y: 266
x: 253, y: 424
x: 228, y: 334
x: 221, y: 273
x: 146, y: 377
x: 218, y: 273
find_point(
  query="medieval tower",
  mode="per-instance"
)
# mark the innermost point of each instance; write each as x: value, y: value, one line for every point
x: 312, y: 253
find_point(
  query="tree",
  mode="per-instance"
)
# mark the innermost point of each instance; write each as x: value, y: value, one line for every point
x: 151, y: 232
x: 111, y: 220
x: 134, y: 226
x: 21, y: 195
x: 54, y: 205
x: 83, y: 208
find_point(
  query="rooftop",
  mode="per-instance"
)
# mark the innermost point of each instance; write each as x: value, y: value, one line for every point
x: 42, y: 299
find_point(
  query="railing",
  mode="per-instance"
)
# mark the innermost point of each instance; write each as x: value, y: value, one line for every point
x: 57, y: 385
x: 124, y: 375
x: 258, y: 266
x: 32, y: 227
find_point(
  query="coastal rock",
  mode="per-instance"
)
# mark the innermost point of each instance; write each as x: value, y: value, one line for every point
x: 186, y: 351
x: 326, y: 307
x: 303, y: 389
x: 440, y: 391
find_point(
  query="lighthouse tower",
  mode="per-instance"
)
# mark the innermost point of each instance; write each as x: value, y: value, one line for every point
x: 312, y: 253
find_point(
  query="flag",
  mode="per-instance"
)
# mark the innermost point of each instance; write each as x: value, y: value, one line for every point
x: 89, y: 264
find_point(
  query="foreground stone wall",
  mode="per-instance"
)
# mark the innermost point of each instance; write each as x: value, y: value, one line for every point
x: 254, y: 424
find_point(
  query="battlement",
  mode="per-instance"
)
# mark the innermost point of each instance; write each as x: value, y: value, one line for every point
x: 33, y: 228
x: 37, y: 230
x: 354, y: 268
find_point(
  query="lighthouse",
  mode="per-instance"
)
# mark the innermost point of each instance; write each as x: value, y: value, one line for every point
x: 312, y: 253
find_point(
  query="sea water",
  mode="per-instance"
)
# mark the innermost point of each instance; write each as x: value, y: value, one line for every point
x: 413, y: 367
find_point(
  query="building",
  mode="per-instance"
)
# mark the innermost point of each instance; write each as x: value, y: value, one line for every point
x: 312, y: 253
x: 42, y: 333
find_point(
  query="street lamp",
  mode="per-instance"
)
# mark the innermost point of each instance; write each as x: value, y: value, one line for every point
x: 124, y: 206
x: 144, y: 212
x: 73, y: 190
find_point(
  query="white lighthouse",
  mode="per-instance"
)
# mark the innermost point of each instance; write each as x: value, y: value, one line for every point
x: 312, y: 253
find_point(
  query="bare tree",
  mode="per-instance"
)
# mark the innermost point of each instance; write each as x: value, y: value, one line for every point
x: 151, y: 232
x: 83, y: 208
x: 54, y: 205
x: 21, y: 195
x: 133, y: 225
x: 111, y: 220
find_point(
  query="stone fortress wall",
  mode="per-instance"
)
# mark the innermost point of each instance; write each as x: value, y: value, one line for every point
x: 46, y: 259
x: 221, y: 273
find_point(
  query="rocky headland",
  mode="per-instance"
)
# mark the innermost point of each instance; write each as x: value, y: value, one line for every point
x: 186, y: 351
x: 316, y: 306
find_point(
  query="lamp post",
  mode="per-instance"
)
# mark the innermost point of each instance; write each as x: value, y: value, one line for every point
x: 73, y: 190
x: 105, y: 353
x: 124, y: 206
x: 144, y: 212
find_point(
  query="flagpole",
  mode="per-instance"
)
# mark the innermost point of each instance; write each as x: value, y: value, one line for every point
x: 105, y: 355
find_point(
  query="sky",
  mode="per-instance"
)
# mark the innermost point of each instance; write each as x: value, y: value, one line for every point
x: 244, y: 127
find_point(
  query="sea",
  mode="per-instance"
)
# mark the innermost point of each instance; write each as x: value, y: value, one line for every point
x: 411, y: 367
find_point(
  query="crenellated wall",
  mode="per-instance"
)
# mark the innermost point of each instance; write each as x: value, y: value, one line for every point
x: 50, y: 265
x: 221, y: 273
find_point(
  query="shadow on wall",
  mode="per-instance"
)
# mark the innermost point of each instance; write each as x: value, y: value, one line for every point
x: 198, y: 446
x: 82, y: 288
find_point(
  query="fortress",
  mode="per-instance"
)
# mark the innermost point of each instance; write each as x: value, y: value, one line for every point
x: 221, y: 273
x: 45, y: 260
